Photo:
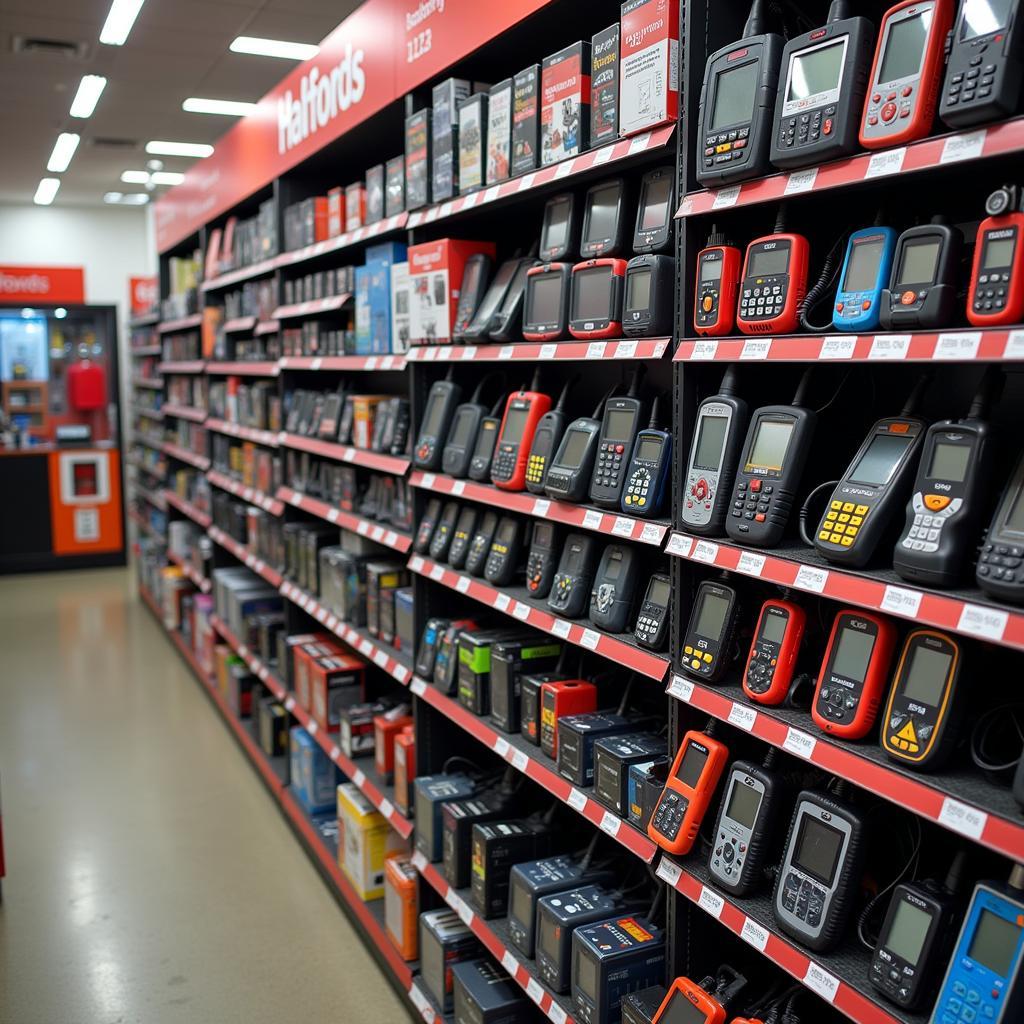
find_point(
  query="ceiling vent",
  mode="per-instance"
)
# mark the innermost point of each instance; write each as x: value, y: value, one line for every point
x: 37, y: 46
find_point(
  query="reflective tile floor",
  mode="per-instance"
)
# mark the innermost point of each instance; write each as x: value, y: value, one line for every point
x: 150, y: 877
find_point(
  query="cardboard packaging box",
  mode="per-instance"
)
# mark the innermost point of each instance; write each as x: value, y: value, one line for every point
x: 401, y: 303
x: 382, y: 579
x: 565, y: 103
x: 313, y: 775
x: 499, y: 132
x: 401, y: 905
x: 355, y: 206
x: 394, y: 186
x: 386, y: 727
x: 604, y: 86
x: 417, y: 159
x: 446, y: 97
x: 305, y: 656
x: 373, y: 309
x: 337, y: 682
x: 649, y: 66
x: 364, y: 841
x: 525, y: 119
x: 472, y: 142
x: 335, y: 212
x: 375, y: 194
x: 273, y: 727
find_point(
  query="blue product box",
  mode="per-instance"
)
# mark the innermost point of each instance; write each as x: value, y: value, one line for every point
x: 312, y: 773
x: 386, y: 252
x: 373, y: 309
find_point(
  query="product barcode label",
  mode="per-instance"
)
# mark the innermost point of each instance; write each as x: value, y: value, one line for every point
x: 962, y: 818
x: 799, y: 743
x: 820, y: 981
x: 710, y: 901
x: 669, y: 871
x: 753, y: 933
x: 741, y: 715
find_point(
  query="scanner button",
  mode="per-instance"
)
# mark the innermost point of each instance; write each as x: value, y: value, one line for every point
x: 856, y: 520
x: 861, y: 510
x: 846, y: 541
x: 831, y: 516
x: 906, y: 90
x: 907, y: 298
x: 824, y: 535
x: 936, y: 502
x: 889, y: 110
x: 848, y: 506
x: 845, y: 517
x: 835, y: 538
x: 836, y: 505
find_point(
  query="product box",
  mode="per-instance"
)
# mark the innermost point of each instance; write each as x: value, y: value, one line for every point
x: 565, y: 103
x: 375, y: 193
x: 385, y: 728
x: 355, y: 206
x: 525, y: 119
x: 364, y: 412
x: 337, y: 682
x: 394, y: 186
x: 364, y: 840
x: 388, y: 253
x: 405, y: 622
x: 382, y: 578
x: 446, y: 97
x: 401, y: 905
x: 356, y: 736
x: 401, y: 300
x: 472, y: 142
x: 335, y: 212
x: 272, y: 720
x: 312, y: 773
x: 417, y: 159
x: 373, y: 309
x: 649, y: 65
x: 499, y: 131
x: 240, y: 683
x: 405, y: 769
x: 604, y: 86
x: 305, y: 655
x: 435, y: 270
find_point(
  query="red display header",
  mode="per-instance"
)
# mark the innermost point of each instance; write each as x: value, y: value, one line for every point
x: 46, y: 286
x: 144, y: 294
x: 375, y: 56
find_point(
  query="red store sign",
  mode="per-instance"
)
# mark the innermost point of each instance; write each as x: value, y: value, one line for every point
x: 44, y: 286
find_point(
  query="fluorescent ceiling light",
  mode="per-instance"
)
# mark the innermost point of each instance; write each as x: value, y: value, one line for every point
x: 46, y: 192
x: 119, y: 21
x: 113, y: 197
x: 274, y: 48
x: 89, y: 91
x: 63, y: 150
x: 158, y: 148
x: 233, y: 108
x: 135, y: 177
x: 167, y: 178
x: 126, y: 199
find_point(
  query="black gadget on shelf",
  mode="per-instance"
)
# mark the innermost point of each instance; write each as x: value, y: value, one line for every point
x: 709, y: 640
x: 491, y: 302
x: 999, y: 571
x: 505, y: 324
x: 821, y: 870
x: 651, y: 630
x: 985, y: 67
x: 604, y: 219
x: 461, y: 440
x: 614, y: 588
x: 483, y: 448
x: 945, y: 511
x: 923, y: 284
x: 569, y: 474
x: 822, y: 81
x: 747, y: 830
x: 441, y: 540
x: 655, y: 211
x: 543, y: 557
x: 503, y: 558
x: 648, y: 470
x: 546, y: 305
x: 480, y: 545
x: 546, y: 439
x: 737, y: 104
x: 463, y: 536
x: 442, y: 401
x: 718, y: 435
x: 425, y: 529
x: 595, y: 305
x: 647, y: 308
x: 619, y: 426
x: 427, y: 651
x: 471, y: 293
x: 559, y: 232
x: 570, y: 589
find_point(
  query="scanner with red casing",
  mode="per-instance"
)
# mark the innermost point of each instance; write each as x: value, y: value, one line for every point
x: 996, y: 293
x: 523, y: 411
x: 771, y: 661
x: 773, y: 284
x: 718, y: 276
x: 683, y: 988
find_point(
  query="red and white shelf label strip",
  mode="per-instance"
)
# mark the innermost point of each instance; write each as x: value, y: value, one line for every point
x: 239, y: 324
x: 196, y: 514
x: 184, y: 455
x: 249, y: 494
x: 626, y: 348
x: 848, y: 1000
x: 182, y: 366
x: 610, y: 154
x: 995, y: 140
x: 924, y: 346
x: 181, y: 324
x: 378, y: 362
x: 311, y: 306
x: 184, y: 412
x: 265, y: 437
x: 353, y: 237
x: 1000, y: 834
x: 266, y: 327
x: 267, y: 266
x: 610, y: 523
x: 258, y: 566
x: 346, y: 453
x: 245, y: 368
x: 996, y: 625
x: 346, y: 520
x: 422, y: 1004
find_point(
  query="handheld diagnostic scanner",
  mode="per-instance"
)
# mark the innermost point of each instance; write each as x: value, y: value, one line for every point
x: 715, y: 292
x: 442, y: 401
x: 523, y: 411
x: 560, y: 228
x: 619, y: 427
x: 572, y: 466
x: 996, y: 292
x: 595, y: 304
x: 865, y: 274
x: 492, y: 300
x: 648, y: 307
x: 546, y: 439
x: 1000, y: 562
x: 506, y: 323
x: 604, y: 219
x: 710, y: 635
x: 648, y: 470
x: 465, y: 425
x: 923, y: 282
x: 771, y: 661
x: 471, y: 293
x: 655, y: 211
x: 546, y: 305
x: 773, y: 284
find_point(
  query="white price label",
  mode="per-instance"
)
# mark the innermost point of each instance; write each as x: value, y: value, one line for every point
x: 501, y: 746
x: 963, y: 147
x: 419, y: 860
x: 468, y: 353
x: 704, y: 551
x: 610, y: 823
x: 502, y: 601
x: 365, y: 648
x: 437, y: 572
x: 962, y: 818
x: 901, y: 601
x: 443, y: 354
x: 625, y: 350
x: 989, y: 623
x: 509, y: 962
x: 521, y: 611
x: 753, y: 933
x: 799, y: 743
x: 359, y: 778
x: 541, y: 506
x: 336, y: 753
x: 312, y: 728
x: 819, y: 980
x: 526, y: 182
x: 838, y: 346
x: 669, y: 871
x: 463, y: 909
x: 639, y: 144
x: 387, y: 808
x: 428, y: 480
x: 462, y: 584
x: 556, y: 1014
x: 371, y: 361
x: 561, y: 628
x: 623, y: 526
x: 506, y: 352
x: 564, y: 169
x: 263, y: 673
x: 651, y: 533
x: 401, y: 673
x: 548, y: 351
x: 756, y: 348
x: 595, y: 350
x: 888, y: 161
x: 380, y: 658
x: 446, y: 209
x: 420, y: 1001
x: 534, y: 990
x: 289, y: 703
x: 491, y: 194
x: 363, y: 528
x: 577, y: 801
x: 681, y: 687
x: 889, y: 346
x: 809, y: 577
x: 800, y: 181
x: 679, y: 544
x: 592, y: 519
x: 519, y: 761
x: 316, y: 364
x: 725, y: 198
x: 602, y: 156
x: 459, y: 488
x: 416, y: 563
x: 590, y: 639
x: 470, y: 201
x: 1014, y: 348
x: 418, y: 686
x: 704, y: 350
x: 957, y: 345
x: 741, y: 715
x: 750, y: 563
x: 710, y: 901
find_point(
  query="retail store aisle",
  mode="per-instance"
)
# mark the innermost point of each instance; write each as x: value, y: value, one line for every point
x: 150, y: 876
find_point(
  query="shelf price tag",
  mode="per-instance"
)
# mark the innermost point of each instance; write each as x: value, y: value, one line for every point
x: 548, y: 351
x: 669, y: 871
x: 652, y: 533
x: 602, y: 156
x: 679, y: 544
x: 556, y: 1014
x: 595, y: 350
x: 800, y: 181
x: 461, y: 907
x: 958, y: 345
x: 710, y: 901
x: 1014, y: 348
x: 704, y: 350
x: 989, y: 623
x: 625, y: 350
x: 838, y: 346
x: 963, y: 147
x: 750, y: 563
x: 419, y: 860
x: 506, y: 352
x: 742, y: 716
x: 888, y: 161
x: 622, y: 527
x: 509, y: 963
x: 681, y: 687
x: 753, y: 933
x: 962, y: 818
x: 889, y: 346
x: 535, y: 991
x: 590, y: 639
x: 610, y: 823
x: 799, y: 743
x: 519, y: 761
x: 810, y: 577
x: 418, y: 687
x: 541, y: 506
x: 561, y: 628
x: 819, y: 980
x: 756, y: 348
x: 726, y: 197
x: 459, y: 488
x: 592, y: 519
x: 901, y: 601
x: 521, y: 611
x: 501, y: 746
x: 576, y: 800
x: 564, y: 169
x: 462, y: 584
x: 437, y: 572
x: 502, y: 601
x: 704, y: 551
x: 358, y: 777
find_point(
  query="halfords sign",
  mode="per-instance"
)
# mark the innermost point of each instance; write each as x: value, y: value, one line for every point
x: 45, y: 285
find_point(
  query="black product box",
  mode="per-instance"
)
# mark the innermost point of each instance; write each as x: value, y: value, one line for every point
x: 356, y: 731
x: 273, y: 725
x: 577, y: 735
x: 394, y: 186
x: 405, y: 624
x: 444, y: 941
x: 613, y: 757
x: 475, y: 649
x: 497, y: 846
x: 374, y: 193
x: 565, y: 103
x: 382, y: 578
x: 604, y: 86
x: 458, y: 818
x: 510, y: 661
x: 446, y: 96
x: 642, y: 1007
x: 483, y: 994
x: 529, y: 706
x: 526, y: 119
x: 417, y: 159
x: 646, y: 782
x: 499, y: 132
x: 472, y: 142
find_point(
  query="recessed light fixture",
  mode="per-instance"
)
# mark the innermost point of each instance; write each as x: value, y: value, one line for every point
x: 232, y: 108
x: 274, y: 48
x: 89, y: 91
x: 135, y: 177
x: 46, y: 192
x: 152, y: 177
x: 126, y: 198
x: 63, y: 150
x: 119, y: 21
x: 158, y: 148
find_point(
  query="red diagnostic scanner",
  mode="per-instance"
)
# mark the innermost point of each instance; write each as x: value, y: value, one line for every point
x: 996, y: 293
x: 718, y: 276
x: 773, y: 651
x: 523, y: 412
x: 773, y: 284
x: 686, y: 1002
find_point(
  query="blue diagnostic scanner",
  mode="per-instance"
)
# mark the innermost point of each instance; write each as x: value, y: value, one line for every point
x: 865, y: 273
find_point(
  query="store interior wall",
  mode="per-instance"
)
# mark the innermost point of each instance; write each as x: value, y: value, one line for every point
x: 111, y: 244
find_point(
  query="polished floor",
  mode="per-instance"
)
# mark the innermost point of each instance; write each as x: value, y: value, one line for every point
x: 150, y: 877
